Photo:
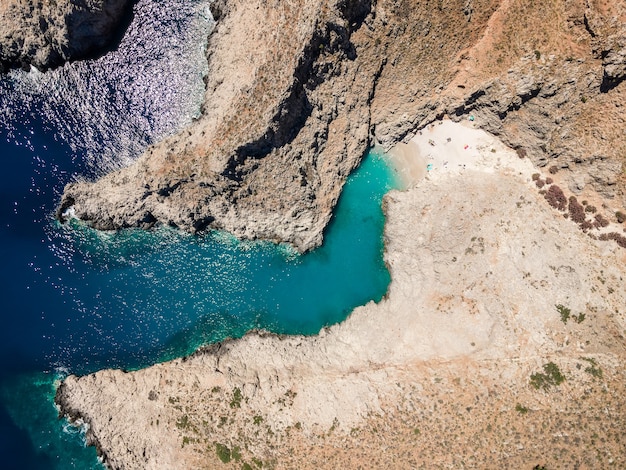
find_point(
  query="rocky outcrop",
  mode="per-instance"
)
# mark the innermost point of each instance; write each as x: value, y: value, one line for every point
x: 298, y: 90
x: 280, y: 131
x: 556, y: 94
x: 47, y: 34
x: 479, y: 266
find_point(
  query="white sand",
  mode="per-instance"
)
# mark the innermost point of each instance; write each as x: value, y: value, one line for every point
x: 446, y: 147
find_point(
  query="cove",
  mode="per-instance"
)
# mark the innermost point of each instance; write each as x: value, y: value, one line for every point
x: 75, y: 300
x: 131, y: 298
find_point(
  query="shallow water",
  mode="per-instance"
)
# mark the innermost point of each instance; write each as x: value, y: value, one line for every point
x: 76, y: 300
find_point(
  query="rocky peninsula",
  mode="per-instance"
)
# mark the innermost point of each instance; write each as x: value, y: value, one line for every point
x: 296, y: 92
x: 503, y: 329
x: 46, y: 33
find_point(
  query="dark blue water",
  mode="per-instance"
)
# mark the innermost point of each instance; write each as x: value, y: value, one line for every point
x: 75, y: 300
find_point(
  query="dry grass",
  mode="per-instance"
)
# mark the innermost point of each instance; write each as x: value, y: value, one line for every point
x: 455, y: 418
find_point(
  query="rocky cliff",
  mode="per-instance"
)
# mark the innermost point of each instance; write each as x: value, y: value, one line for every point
x: 47, y: 33
x: 504, y: 324
x: 501, y: 341
x: 298, y: 90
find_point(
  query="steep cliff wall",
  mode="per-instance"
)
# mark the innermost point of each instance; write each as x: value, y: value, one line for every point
x: 279, y: 129
x: 298, y: 90
x: 47, y: 33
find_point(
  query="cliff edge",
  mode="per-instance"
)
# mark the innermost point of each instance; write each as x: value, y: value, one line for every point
x: 297, y: 91
x: 47, y: 33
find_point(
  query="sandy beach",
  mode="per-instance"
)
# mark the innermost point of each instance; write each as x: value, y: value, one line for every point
x: 447, y: 148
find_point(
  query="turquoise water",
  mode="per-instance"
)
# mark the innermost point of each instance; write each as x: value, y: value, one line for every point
x: 132, y: 298
x: 75, y: 300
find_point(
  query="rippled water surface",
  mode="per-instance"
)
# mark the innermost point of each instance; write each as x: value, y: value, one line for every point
x: 76, y: 300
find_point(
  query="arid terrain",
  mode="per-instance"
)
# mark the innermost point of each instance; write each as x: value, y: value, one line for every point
x: 500, y: 343
x: 501, y: 340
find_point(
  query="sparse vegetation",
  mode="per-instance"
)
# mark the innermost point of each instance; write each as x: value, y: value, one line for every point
x: 576, y: 210
x: 564, y: 312
x: 556, y: 198
x: 187, y: 440
x: 550, y: 377
x: 223, y: 452
x: 593, y: 367
x: 183, y: 422
x: 619, y: 239
x: 521, y: 409
x: 237, y: 397
x: 600, y: 221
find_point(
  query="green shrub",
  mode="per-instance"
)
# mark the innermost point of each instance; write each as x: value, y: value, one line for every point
x: 183, y: 422
x: 593, y: 368
x: 564, y: 312
x: 551, y: 376
x: 237, y: 396
x: 223, y: 452
x: 521, y: 409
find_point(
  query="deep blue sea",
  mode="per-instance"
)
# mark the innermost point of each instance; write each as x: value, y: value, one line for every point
x: 75, y: 300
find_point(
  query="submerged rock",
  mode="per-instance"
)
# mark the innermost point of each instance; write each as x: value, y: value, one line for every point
x: 47, y: 34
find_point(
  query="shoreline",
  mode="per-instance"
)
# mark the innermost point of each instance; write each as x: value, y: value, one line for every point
x: 303, y: 388
x: 479, y: 261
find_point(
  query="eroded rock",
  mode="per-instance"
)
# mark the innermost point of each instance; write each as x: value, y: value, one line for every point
x: 46, y: 33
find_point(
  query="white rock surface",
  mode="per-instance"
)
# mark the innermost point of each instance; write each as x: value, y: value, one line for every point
x: 478, y: 263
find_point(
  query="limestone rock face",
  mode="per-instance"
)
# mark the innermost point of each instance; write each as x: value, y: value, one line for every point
x: 281, y: 130
x: 47, y: 33
x: 479, y: 263
x: 297, y: 90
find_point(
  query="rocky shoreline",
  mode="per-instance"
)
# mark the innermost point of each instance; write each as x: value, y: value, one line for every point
x: 471, y: 316
x: 48, y: 34
x: 479, y: 262
x: 288, y: 116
